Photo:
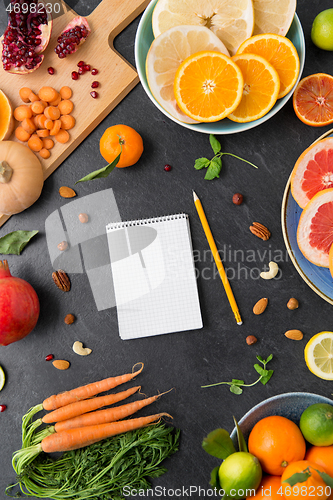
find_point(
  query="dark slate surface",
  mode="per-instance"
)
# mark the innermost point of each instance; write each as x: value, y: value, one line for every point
x: 185, y: 360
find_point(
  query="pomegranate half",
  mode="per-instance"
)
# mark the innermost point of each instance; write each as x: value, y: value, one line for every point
x: 19, y: 307
x: 26, y: 37
x: 70, y: 39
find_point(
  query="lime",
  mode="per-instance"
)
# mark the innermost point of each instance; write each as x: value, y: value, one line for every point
x: 322, y: 30
x: 2, y: 378
x: 316, y: 424
x: 240, y: 475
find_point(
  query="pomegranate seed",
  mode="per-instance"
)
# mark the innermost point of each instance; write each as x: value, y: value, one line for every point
x: 81, y: 63
x: 94, y: 71
x: 167, y: 168
x: 81, y: 70
x: 49, y: 357
x: 50, y: 70
x: 2, y: 408
x: 94, y: 94
x: 87, y: 67
x: 75, y: 75
x: 94, y: 85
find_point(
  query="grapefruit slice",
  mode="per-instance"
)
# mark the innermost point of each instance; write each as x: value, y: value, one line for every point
x: 315, y: 228
x: 166, y: 54
x: 330, y: 260
x: 273, y: 17
x: 313, y: 100
x: 313, y: 171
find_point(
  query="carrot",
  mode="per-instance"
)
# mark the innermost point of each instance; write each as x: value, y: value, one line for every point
x: 105, y: 416
x: 88, y: 391
x: 75, y: 409
x: 74, y: 439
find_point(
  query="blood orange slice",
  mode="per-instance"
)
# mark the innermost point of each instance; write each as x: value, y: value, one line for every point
x: 313, y: 100
x: 313, y: 171
x: 315, y: 228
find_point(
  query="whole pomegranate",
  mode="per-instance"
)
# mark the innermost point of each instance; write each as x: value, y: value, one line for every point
x: 26, y: 37
x: 19, y: 307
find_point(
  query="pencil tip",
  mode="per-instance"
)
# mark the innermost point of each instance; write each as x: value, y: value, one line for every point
x: 195, y: 197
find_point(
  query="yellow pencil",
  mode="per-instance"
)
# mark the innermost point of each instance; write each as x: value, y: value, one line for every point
x: 217, y: 259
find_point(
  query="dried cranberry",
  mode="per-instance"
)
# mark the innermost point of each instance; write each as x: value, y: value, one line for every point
x: 94, y: 94
x: 75, y: 75
x: 167, y: 168
x: 94, y: 71
x: 2, y: 408
x: 49, y: 357
x: 94, y: 85
x: 50, y: 70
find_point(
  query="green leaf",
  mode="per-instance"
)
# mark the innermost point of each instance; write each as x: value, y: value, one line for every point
x: 235, y: 389
x: 270, y: 357
x: 328, y: 479
x: 259, y: 358
x: 13, y: 243
x: 218, y: 444
x: 214, y: 169
x: 267, y: 377
x: 201, y: 163
x: 235, y: 381
x: 298, y: 477
x: 241, y: 440
x: 260, y: 369
x: 214, y: 478
x: 216, y: 146
x: 102, y: 172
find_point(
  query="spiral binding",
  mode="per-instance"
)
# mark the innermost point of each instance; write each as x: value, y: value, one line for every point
x: 145, y: 222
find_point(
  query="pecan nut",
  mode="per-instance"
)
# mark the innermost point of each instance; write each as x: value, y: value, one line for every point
x: 260, y: 230
x: 61, y: 279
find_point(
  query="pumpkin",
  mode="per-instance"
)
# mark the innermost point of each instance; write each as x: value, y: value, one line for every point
x: 21, y: 177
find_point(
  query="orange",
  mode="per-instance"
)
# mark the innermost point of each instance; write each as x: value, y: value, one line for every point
x: 121, y: 138
x: 280, y: 52
x: 313, y: 488
x: 323, y: 456
x: 269, y: 489
x: 276, y: 441
x: 208, y: 86
x: 315, y: 228
x: 6, y: 117
x: 313, y: 100
x: 261, y: 88
x: 313, y: 171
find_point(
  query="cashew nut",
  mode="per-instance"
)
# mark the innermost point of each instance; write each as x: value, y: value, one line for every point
x: 273, y: 270
x: 79, y: 349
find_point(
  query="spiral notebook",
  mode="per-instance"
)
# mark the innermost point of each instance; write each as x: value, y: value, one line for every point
x: 154, y: 276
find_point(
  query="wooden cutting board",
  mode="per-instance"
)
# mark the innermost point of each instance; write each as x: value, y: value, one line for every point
x: 116, y: 76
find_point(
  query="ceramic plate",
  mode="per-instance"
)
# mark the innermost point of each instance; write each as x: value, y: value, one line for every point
x: 318, y: 278
x: 143, y: 40
x: 290, y: 405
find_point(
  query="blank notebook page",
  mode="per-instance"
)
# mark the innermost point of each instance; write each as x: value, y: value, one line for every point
x: 154, y: 276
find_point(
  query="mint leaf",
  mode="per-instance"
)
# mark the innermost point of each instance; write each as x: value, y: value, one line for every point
x: 201, y: 163
x: 260, y: 359
x: 267, y: 377
x: 298, y: 477
x: 13, y: 243
x: 214, y: 169
x: 259, y: 369
x: 270, y: 357
x: 235, y: 389
x: 235, y: 381
x: 102, y: 172
x: 216, y: 146
x: 218, y: 443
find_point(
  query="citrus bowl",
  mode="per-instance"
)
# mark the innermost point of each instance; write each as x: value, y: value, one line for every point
x: 143, y: 40
x: 290, y: 405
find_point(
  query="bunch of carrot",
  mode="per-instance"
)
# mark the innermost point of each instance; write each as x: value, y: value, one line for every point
x: 77, y: 424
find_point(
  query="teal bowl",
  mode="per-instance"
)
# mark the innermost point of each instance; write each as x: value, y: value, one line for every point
x: 143, y: 40
x: 290, y: 405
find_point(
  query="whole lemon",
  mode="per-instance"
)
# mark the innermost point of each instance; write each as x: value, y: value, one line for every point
x: 322, y: 30
x: 240, y: 474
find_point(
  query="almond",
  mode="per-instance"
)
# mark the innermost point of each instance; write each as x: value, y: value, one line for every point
x: 260, y: 306
x: 294, y: 334
x: 67, y: 192
x: 61, y: 364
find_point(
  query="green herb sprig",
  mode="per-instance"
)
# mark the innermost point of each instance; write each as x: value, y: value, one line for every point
x: 215, y: 164
x: 236, y: 385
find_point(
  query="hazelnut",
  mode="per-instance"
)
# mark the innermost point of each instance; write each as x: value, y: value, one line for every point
x: 251, y: 339
x: 237, y: 199
x: 292, y: 304
x: 83, y: 218
x: 62, y: 246
x: 69, y: 319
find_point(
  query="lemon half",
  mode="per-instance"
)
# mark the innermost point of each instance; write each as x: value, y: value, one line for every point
x: 318, y: 355
x: 2, y: 378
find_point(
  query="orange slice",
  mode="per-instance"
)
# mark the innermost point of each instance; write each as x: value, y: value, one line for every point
x: 315, y: 228
x: 280, y: 52
x: 6, y: 117
x: 208, y: 86
x: 261, y: 88
x: 313, y: 171
x: 313, y: 100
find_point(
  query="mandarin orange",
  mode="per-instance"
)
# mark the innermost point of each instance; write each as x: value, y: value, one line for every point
x: 313, y: 488
x: 124, y: 139
x: 323, y: 456
x: 269, y: 489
